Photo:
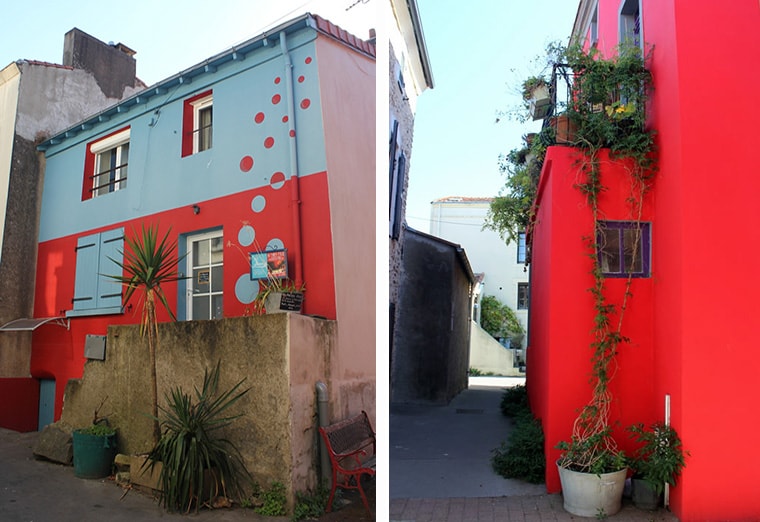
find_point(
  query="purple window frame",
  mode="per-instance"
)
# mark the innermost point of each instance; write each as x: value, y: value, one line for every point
x: 644, y: 248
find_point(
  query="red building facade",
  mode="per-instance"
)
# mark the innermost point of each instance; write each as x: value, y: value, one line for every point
x: 692, y: 336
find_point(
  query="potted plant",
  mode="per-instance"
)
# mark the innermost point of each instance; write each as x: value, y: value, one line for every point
x: 94, y: 448
x: 535, y: 91
x: 279, y: 295
x: 592, y: 471
x: 194, y: 462
x: 657, y: 462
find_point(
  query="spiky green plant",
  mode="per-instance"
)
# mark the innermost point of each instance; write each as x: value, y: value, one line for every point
x: 198, y: 463
x: 148, y: 263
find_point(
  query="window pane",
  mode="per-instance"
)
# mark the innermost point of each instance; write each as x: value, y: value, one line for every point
x: 609, y: 246
x: 216, y: 307
x: 204, y: 128
x: 200, y: 308
x: 201, y: 253
x: 217, y: 250
x: 521, y: 247
x: 629, y: 240
x: 121, y: 172
x: 522, y: 296
x: 216, y: 279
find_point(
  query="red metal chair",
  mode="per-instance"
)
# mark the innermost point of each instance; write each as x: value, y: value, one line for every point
x: 346, y: 442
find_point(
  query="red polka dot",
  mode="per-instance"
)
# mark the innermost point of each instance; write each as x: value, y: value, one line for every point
x: 292, y: 133
x: 246, y: 163
x: 259, y: 117
x: 269, y: 142
x: 277, y: 177
x: 277, y: 80
x: 285, y: 119
x: 308, y: 59
x: 301, y: 79
x: 305, y: 103
x: 276, y: 99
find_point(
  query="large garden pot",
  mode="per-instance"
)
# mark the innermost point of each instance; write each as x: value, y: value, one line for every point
x: 644, y: 495
x: 591, y: 495
x: 93, y: 454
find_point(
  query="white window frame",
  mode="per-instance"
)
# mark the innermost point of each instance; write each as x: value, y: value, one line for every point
x: 198, y: 106
x: 191, y: 264
x: 115, y: 142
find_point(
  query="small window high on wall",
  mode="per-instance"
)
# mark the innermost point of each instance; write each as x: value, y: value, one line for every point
x: 105, y: 168
x: 623, y: 247
x: 197, y: 123
x: 630, y: 22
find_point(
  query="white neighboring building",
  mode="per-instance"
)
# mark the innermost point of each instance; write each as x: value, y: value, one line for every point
x: 460, y: 220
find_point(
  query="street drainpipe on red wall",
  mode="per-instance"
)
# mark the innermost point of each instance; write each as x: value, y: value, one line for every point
x: 295, y: 193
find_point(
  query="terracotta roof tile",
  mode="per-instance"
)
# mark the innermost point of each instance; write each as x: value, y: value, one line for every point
x: 344, y: 36
x: 48, y: 64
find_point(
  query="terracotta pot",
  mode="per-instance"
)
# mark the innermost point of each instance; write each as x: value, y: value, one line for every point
x: 564, y: 129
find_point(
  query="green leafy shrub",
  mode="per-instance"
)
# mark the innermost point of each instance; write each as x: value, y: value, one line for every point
x: 195, y: 459
x: 514, y: 402
x: 274, y: 501
x: 522, y: 457
x: 311, y: 506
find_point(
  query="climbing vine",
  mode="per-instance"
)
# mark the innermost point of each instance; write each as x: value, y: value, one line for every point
x: 606, y: 108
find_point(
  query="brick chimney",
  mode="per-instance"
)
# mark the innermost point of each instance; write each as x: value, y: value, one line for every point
x: 113, y: 66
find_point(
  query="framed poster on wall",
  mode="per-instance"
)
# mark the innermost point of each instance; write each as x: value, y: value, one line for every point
x: 269, y: 264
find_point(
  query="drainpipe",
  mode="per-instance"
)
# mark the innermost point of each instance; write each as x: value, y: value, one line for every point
x: 666, y: 492
x: 295, y: 194
x: 324, y: 420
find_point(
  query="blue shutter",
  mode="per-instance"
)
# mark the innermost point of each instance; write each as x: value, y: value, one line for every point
x: 94, y: 292
x: 111, y: 247
x: 86, y: 282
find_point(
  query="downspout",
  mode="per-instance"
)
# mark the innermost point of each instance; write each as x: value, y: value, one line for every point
x: 323, y: 418
x: 295, y: 193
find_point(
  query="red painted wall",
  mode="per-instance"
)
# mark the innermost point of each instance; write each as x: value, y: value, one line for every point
x: 703, y: 199
x: 59, y: 353
x: 698, y: 341
x: 562, y: 309
x: 21, y: 405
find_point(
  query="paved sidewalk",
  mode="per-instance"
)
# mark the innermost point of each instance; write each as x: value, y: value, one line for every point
x: 440, y: 469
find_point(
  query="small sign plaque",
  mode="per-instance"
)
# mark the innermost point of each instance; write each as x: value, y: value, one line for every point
x: 269, y: 264
x: 291, y: 301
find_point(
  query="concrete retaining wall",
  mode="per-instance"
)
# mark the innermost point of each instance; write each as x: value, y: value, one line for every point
x: 280, y: 356
x: 487, y: 355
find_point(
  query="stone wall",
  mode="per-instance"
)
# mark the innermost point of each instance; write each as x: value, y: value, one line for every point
x: 280, y: 356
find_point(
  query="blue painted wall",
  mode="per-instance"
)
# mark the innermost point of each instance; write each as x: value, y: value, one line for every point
x: 159, y: 178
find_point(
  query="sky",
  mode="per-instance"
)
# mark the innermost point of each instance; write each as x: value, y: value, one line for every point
x: 480, y: 51
x: 168, y: 36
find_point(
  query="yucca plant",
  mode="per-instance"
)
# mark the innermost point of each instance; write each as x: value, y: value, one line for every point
x: 148, y: 263
x: 198, y: 463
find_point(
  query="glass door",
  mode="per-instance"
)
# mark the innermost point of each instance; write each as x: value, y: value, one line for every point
x: 205, y: 266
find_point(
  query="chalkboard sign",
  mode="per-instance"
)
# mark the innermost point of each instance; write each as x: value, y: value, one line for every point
x: 291, y: 301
